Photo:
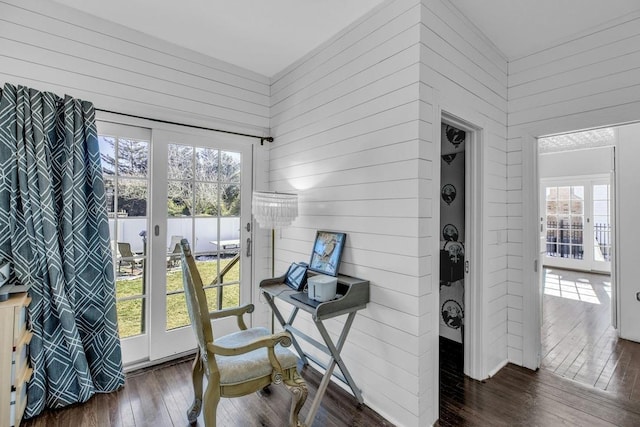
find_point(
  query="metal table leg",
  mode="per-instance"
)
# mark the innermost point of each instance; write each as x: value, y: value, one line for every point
x: 335, y: 359
x: 286, y: 324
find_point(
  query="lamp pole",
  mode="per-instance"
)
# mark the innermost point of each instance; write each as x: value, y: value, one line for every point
x: 274, y: 210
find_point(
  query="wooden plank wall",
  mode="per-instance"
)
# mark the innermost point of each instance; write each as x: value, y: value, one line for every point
x: 353, y: 122
x: 48, y: 46
x: 469, y: 79
x: 586, y: 81
x: 354, y: 128
x: 52, y: 47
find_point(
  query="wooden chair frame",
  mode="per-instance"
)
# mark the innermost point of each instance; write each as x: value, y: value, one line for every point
x: 205, y: 363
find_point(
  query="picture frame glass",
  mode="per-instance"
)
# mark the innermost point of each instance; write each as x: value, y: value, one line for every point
x: 327, y: 252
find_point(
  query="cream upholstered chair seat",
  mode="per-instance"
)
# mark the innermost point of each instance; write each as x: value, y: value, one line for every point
x: 254, y: 364
x: 239, y: 363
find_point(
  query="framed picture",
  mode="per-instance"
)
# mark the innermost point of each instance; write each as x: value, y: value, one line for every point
x: 327, y: 251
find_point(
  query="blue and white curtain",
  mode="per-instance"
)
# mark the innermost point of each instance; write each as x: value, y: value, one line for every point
x: 54, y: 231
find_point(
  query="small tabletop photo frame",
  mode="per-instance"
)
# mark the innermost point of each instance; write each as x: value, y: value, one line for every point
x: 327, y: 252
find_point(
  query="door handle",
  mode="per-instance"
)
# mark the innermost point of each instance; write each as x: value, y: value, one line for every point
x: 248, y: 246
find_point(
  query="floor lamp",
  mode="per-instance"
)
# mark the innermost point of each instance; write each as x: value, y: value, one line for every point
x: 274, y: 211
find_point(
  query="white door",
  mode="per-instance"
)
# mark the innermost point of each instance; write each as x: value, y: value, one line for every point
x: 578, y: 223
x: 162, y: 187
x: 201, y: 192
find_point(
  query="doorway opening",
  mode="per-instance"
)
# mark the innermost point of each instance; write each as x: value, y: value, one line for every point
x: 460, y: 216
x: 576, y: 210
x: 453, y: 145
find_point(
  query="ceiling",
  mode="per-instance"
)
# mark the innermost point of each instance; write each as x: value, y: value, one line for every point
x: 267, y: 36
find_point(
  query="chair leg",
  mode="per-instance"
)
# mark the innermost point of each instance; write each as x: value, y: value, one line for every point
x: 211, y: 399
x: 197, y: 374
x: 298, y: 389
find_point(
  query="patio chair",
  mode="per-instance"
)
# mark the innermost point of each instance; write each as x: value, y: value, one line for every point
x: 237, y: 364
x: 173, y: 260
x: 127, y: 256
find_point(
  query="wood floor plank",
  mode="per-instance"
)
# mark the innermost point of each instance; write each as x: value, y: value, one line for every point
x: 578, y: 343
x: 515, y: 396
x: 160, y: 396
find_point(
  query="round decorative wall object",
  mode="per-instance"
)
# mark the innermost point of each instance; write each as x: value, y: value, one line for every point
x: 448, y: 193
x: 455, y: 135
x: 456, y: 251
x: 450, y: 233
x: 452, y: 314
x: 449, y: 157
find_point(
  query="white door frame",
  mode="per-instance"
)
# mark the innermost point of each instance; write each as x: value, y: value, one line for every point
x: 532, y: 262
x: 474, y: 298
x: 156, y: 243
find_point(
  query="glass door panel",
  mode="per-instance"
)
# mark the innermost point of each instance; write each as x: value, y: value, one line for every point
x: 160, y: 190
x: 565, y: 221
x: 578, y: 226
x: 204, y: 203
x: 125, y: 153
x: 602, y: 225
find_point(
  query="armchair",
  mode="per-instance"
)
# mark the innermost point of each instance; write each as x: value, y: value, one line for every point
x: 239, y: 363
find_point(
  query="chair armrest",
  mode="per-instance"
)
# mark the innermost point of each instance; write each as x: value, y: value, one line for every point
x: 273, y: 280
x: 233, y: 311
x: 282, y: 338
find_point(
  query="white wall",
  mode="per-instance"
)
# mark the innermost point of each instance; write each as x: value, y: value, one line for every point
x: 467, y: 78
x: 590, y: 161
x: 345, y: 120
x: 628, y: 232
x: 587, y: 81
x: 49, y: 46
x: 353, y: 122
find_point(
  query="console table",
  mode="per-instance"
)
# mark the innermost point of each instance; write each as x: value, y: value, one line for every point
x: 353, y: 295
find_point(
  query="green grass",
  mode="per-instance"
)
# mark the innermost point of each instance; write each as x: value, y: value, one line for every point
x: 130, y: 310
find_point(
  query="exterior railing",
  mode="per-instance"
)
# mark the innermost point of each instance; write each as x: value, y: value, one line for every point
x: 565, y: 240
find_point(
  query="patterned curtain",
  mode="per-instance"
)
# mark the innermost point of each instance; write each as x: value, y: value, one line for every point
x: 54, y: 230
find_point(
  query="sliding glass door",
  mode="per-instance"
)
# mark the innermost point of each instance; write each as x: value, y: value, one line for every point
x: 162, y: 187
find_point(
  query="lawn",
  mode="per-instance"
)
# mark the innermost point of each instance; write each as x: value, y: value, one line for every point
x: 130, y: 296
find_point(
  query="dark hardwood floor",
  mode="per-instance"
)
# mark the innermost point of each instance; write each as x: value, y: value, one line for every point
x: 515, y: 396
x: 159, y: 397
x: 589, y: 377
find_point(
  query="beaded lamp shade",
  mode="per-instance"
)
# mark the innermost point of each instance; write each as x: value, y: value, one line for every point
x: 274, y: 210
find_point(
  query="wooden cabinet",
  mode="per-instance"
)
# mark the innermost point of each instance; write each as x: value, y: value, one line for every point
x: 14, y: 359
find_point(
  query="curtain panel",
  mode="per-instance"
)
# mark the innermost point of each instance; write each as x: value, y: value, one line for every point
x: 54, y: 230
